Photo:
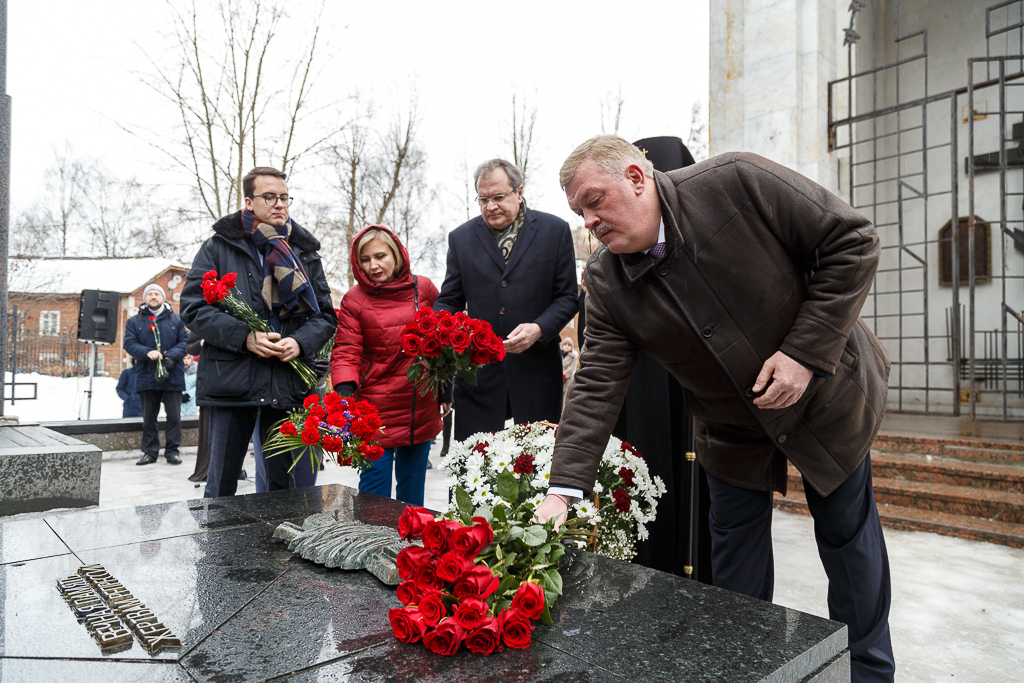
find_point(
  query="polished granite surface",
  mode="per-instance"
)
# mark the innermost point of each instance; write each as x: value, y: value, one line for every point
x: 246, y: 609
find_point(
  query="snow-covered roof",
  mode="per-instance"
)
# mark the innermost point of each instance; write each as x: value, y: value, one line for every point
x: 72, y: 275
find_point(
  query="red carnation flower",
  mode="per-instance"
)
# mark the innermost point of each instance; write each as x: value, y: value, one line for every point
x: 288, y: 429
x: 523, y: 464
x: 229, y: 280
x: 622, y: 500
x: 310, y: 437
x: 333, y: 444
x: 310, y: 401
x: 627, y: 475
x: 210, y: 275
x: 372, y: 451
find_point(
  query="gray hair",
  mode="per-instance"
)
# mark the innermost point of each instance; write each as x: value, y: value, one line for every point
x: 515, y: 176
x: 612, y: 155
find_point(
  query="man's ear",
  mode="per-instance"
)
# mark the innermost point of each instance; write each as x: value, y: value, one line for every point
x: 635, y: 176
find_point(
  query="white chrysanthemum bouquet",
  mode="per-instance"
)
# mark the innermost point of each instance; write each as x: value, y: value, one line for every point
x: 625, y: 495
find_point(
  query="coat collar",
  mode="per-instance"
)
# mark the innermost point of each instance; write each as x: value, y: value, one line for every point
x: 527, y: 232
x: 635, y: 266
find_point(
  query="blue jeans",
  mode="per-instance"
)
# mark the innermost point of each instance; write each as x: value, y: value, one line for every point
x: 410, y: 465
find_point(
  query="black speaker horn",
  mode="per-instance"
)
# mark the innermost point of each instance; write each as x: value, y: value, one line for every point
x: 97, y: 316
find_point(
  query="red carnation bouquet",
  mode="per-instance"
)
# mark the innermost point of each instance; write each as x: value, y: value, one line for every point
x: 161, y: 371
x: 343, y: 428
x: 219, y: 292
x: 444, y: 343
x: 481, y: 577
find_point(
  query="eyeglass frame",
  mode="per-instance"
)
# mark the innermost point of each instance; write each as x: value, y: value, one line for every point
x: 484, y: 201
x: 287, y: 199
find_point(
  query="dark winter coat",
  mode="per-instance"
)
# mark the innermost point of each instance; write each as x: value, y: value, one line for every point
x: 126, y: 390
x: 229, y: 374
x: 537, y: 285
x: 139, y: 341
x: 368, y: 350
x: 759, y: 259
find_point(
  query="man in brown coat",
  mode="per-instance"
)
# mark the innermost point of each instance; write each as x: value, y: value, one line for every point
x: 746, y: 281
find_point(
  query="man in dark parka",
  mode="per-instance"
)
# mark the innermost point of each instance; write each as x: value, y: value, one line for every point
x: 245, y: 375
x: 745, y: 280
x: 515, y: 268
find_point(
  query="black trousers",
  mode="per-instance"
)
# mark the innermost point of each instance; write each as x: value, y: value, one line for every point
x: 850, y: 545
x: 151, y: 401
x: 230, y: 432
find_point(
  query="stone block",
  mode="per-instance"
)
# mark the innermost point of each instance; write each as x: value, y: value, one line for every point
x: 43, y: 470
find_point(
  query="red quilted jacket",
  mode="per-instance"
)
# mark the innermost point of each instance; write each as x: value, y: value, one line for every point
x: 368, y: 350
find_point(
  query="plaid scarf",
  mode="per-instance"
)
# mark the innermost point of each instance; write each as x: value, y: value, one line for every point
x: 507, y: 237
x: 286, y: 288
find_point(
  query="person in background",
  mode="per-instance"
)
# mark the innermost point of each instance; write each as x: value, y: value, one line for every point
x: 569, y: 357
x: 368, y: 361
x: 126, y: 390
x: 188, y: 397
x: 156, y: 386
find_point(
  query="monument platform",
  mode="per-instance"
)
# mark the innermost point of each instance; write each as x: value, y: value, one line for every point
x: 245, y: 608
x: 41, y: 469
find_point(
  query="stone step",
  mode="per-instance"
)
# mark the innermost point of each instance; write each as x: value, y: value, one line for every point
x: 986, y: 503
x: 941, y: 470
x: 996, y: 451
x: 913, y: 519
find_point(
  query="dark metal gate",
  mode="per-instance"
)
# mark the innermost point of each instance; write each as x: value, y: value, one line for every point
x: 901, y: 153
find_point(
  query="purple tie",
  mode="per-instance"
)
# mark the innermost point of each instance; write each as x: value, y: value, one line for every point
x: 658, y: 250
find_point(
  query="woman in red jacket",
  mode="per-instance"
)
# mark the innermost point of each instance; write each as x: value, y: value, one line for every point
x: 368, y: 360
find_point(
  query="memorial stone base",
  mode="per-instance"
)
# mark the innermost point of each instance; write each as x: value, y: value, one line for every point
x: 41, y: 469
x: 246, y: 609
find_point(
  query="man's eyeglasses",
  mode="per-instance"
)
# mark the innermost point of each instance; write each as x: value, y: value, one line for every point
x: 497, y: 199
x: 272, y: 199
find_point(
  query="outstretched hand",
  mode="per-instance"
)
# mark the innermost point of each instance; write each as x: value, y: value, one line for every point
x: 789, y: 380
x: 553, y: 507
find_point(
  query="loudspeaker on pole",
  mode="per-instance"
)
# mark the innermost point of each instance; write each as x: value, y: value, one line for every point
x: 97, y: 316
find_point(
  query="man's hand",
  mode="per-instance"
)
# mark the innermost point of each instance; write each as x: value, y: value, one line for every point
x: 523, y: 337
x: 263, y: 344
x: 291, y: 349
x: 445, y: 409
x: 554, y: 507
x: 790, y: 380
x: 154, y: 355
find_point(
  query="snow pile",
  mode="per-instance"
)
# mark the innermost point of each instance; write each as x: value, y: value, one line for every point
x: 63, y: 398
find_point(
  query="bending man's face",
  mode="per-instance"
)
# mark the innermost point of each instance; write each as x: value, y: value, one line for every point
x: 610, y: 205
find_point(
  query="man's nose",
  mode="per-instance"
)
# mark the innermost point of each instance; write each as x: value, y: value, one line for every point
x: 590, y: 221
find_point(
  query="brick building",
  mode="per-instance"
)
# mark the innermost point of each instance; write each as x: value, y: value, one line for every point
x: 47, y: 292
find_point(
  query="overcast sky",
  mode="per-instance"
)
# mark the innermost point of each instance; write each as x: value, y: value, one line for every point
x: 73, y: 75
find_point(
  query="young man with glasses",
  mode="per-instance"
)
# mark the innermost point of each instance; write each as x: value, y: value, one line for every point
x: 245, y: 376
x: 515, y: 268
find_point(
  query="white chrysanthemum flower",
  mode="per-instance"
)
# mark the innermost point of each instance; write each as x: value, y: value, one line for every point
x: 585, y: 509
x: 598, y: 488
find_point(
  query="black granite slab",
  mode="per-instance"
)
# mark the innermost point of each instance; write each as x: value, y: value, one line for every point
x: 247, y: 609
x: 76, y: 671
x: 104, y: 528
x: 407, y: 664
x: 28, y: 540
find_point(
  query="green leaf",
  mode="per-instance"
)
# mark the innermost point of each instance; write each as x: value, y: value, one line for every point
x: 508, y: 486
x: 464, y: 502
x: 535, y: 535
x: 500, y: 512
x: 546, y: 614
x: 556, y: 553
x: 556, y: 579
x: 515, y: 533
x: 498, y: 552
x: 414, y: 372
x: 485, y: 512
x: 545, y: 581
x: 469, y: 376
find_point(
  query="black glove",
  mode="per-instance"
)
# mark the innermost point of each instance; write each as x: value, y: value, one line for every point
x: 345, y: 389
x: 321, y: 366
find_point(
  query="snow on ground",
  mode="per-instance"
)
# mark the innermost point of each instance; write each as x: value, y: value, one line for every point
x: 63, y: 398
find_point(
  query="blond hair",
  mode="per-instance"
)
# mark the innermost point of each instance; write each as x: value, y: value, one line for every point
x: 612, y: 155
x: 385, y: 237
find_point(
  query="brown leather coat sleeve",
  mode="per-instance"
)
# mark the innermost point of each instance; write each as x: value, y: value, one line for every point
x: 598, y: 390
x: 833, y: 243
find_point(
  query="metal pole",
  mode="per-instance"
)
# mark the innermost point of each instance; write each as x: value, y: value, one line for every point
x: 92, y: 372
x: 5, y: 189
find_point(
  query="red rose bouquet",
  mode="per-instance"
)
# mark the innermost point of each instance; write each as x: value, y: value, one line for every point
x: 219, y: 292
x: 444, y: 343
x: 481, y: 577
x: 343, y: 428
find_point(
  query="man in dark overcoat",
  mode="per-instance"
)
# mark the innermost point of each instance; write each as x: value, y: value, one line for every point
x: 515, y: 268
x: 244, y: 376
x: 160, y: 374
x: 745, y: 280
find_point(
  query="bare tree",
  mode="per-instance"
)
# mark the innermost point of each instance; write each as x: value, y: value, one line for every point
x: 698, y: 140
x: 524, y: 119
x: 115, y: 207
x: 64, y: 195
x: 611, y: 112
x: 230, y: 115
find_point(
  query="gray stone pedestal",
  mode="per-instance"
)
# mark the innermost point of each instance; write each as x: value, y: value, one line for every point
x: 43, y: 470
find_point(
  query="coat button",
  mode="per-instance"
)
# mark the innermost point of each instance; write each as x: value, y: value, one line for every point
x: 781, y: 438
x: 501, y: 311
x: 749, y: 393
x: 707, y: 332
x: 504, y: 283
x: 663, y: 269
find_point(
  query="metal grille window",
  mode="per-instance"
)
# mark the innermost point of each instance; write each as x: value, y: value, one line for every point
x: 49, y: 323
